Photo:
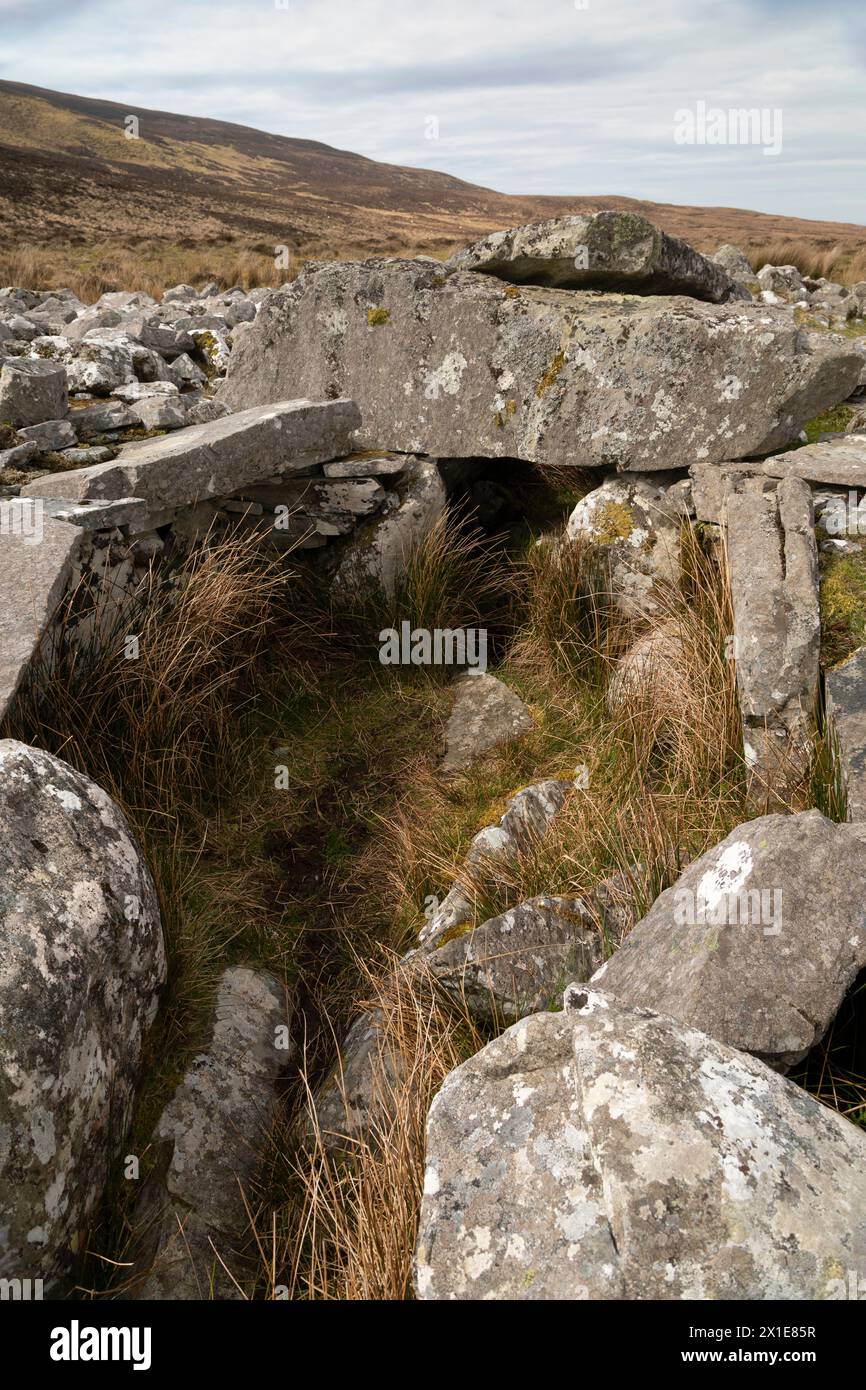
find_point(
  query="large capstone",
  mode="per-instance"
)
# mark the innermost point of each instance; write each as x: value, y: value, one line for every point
x: 606, y: 250
x: 607, y: 1152
x: 81, y: 965
x: 466, y: 366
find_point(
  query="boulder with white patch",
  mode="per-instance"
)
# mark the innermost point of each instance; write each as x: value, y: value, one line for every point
x: 81, y: 965
x: 637, y: 523
x: 466, y: 366
x: 758, y: 940
x: 606, y: 1152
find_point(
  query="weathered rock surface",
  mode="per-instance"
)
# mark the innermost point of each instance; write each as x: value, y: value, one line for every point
x: 637, y: 521
x: 651, y: 675
x: 528, y: 817
x: 519, y: 963
x: 360, y: 1096
x: 486, y: 714
x: 379, y: 552
x: 81, y: 965
x: 31, y: 391
x: 732, y: 260
x: 845, y: 688
x: 464, y: 366
x: 36, y: 560
x: 208, y: 1145
x: 606, y: 251
x: 759, y: 939
x: 837, y: 463
x: 214, y: 459
x: 773, y: 563
x: 610, y: 1153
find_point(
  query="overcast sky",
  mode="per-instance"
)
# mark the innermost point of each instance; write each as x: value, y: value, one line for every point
x: 530, y: 96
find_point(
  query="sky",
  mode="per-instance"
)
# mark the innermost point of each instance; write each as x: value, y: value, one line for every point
x: 572, y: 97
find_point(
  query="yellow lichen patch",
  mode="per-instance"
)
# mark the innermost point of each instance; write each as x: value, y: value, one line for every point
x: 376, y: 317
x: 454, y: 933
x: 612, y: 522
x: 511, y: 407
x: 551, y: 374
x: 512, y: 292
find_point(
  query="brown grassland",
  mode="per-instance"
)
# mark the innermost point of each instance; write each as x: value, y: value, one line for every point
x: 194, y: 200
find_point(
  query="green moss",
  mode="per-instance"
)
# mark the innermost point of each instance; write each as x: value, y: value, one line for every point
x: 208, y: 348
x: 376, y: 317
x: 612, y: 522
x: 454, y: 933
x: 833, y: 420
x: 551, y: 374
x: 843, y: 605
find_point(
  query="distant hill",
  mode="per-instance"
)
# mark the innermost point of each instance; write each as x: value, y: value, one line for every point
x: 71, y: 181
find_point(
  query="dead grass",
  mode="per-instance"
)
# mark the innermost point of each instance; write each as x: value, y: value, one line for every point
x: 151, y: 266
x: 349, y: 1232
x: 839, y: 262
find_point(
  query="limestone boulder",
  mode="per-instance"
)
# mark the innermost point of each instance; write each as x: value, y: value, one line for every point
x: 637, y: 524
x: 208, y: 1145
x: 81, y: 966
x: 528, y: 816
x: 652, y: 675
x: 734, y: 261
x: 610, y: 1153
x: 466, y: 366
x: 607, y: 251
x: 759, y: 939
x: 378, y: 552
x: 359, y: 1097
x: 486, y: 714
x: 519, y: 962
x: 31, y: 391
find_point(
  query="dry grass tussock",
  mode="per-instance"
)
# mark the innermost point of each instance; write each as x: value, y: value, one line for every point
x: 833, y: 262
x: 349, y: 1230
x: 154, y: 728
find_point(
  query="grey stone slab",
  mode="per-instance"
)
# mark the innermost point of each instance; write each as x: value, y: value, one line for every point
x: 846, y: 706
x: 773, y: 564
x: 214, y: 459
x: 33, y: 575
x: 836, y: 463
x: 606, y: 250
